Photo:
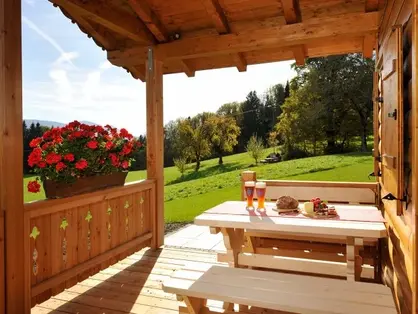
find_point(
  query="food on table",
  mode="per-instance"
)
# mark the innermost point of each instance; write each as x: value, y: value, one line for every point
x: 321, y: 207
x: 287, y: 202
x: 308, y: 207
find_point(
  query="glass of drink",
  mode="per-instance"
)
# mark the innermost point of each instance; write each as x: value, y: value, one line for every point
x: 249, y: 193
x: 261, y: 195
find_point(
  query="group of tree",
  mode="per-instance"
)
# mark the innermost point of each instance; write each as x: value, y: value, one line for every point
x: 330, y: 106
x: 323, y: 109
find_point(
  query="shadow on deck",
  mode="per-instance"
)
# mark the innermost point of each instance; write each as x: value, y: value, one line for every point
x: 133, y: 285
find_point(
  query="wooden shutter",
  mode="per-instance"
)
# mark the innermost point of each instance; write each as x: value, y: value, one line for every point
x: 392, y: 115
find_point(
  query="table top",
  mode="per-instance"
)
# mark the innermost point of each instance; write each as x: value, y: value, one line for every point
x: 235, y: 215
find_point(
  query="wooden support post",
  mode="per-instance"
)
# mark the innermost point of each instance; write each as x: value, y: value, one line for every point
x: 247, y: 176
x: 155, y: 142
x: 11, y: 156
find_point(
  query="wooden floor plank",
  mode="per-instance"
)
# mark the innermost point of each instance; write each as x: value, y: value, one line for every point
x: 132, y: 285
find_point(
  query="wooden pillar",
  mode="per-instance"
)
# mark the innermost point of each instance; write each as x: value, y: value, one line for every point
x: 155, y: 142
x: 11, y: 155
x: 414, y: 143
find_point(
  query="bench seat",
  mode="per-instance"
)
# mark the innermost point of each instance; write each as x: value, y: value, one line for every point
x: 277, y: 291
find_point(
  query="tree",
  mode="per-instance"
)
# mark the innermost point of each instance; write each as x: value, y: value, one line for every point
x: 255, y: 148
x: 287, y: 90
x: 181, y: 163
x: 223, y: 135
x: 194, y: 137
x: 272, y: 140
x: 253, y: 119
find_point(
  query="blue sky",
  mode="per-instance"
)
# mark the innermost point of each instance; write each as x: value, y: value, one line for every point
x: 66, y: 77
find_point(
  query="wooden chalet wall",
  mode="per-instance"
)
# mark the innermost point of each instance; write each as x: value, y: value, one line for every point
x: 394, y: 103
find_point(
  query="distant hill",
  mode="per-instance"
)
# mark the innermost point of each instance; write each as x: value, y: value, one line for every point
x: 50, y: 124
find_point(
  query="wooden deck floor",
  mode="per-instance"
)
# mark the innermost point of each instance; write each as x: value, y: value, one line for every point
x: 131, y: 286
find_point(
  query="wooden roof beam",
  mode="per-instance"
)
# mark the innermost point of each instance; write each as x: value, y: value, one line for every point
x: 215, y: 11
x: 300, y: 54
x: 220, y: 21
x: 240, y: 62
x: 138, y: 72
x: 291, y: 11
x: 101, y: 36
x: 188, y: 68
x: 326, y: 28
x: 371, y: 5
x: 116, y: 21
x: 292, y: 15
x: 150, y: 19
x: 369, y: 42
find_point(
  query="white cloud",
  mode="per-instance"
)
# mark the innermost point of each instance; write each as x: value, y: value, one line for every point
x: 66, y: 57
x: 105, y: 65
x: 35, y: 28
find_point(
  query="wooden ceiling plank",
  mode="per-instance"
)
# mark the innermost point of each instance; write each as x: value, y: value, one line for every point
x: 150, y: 19
x: 215, y: 11
x: 369, y: 42
x: 291, y: 11
x: 116, y: 21
x: 327, y: 28
x: 371, y: 5
x: 300, y: 54
x: 188, y: 69
x: 241, y: 62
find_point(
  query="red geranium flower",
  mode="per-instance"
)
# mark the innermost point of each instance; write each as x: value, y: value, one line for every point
x: 69, y: 157
x: 125, y: 133
x: 77, y: 134
x: 81, y: 164
x: 74, y: 124
x: 47, y: 145
x: 34, y: 186
x: 46, y: 135
x: 41, y: 164
x: 92, y: 144
x: 125, y: 164
x: 114, y: 159
x: 60, y: 166
x: 109, y: 145
x: 35, y: 157
x: 35, y: 142
x: 127, y: 149
x: 53, y: 158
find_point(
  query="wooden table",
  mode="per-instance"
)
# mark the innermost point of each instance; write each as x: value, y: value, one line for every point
x: 233, y: 220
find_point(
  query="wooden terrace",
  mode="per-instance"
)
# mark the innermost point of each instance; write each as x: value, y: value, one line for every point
x: 103, y: 252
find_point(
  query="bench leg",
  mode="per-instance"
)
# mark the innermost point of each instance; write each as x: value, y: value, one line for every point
x: 354, y: 260
x: 233, y: 240
x: 194, y: 305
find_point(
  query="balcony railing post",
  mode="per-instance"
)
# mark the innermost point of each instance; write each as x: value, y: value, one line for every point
x: 155, y: 142
x: 17, y: 297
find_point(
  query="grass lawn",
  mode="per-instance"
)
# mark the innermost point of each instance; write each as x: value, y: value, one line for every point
x: 197, y: 191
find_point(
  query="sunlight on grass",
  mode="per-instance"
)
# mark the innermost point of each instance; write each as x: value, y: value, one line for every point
x: 197, y: 191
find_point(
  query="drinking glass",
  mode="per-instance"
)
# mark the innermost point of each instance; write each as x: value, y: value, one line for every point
x: 261, y: 195
x: 249, y: 192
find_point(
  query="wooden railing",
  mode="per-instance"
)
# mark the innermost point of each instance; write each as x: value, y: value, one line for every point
x: 72, y: 238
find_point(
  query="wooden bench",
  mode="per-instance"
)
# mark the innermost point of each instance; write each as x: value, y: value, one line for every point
x: 257, y: 291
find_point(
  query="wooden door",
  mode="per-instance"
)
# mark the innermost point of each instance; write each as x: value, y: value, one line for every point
x: 392, y: 114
